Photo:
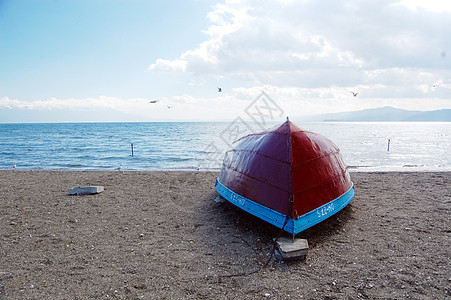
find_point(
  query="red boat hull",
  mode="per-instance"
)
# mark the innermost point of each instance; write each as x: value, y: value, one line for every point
x: 287, y: 171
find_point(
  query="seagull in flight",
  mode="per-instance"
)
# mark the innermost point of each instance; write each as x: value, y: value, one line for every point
x: 219, y: 89
x: 437, y: 84
x: 354, y: 93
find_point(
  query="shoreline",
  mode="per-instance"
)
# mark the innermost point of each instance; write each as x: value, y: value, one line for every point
x: 213, y: 171
x: 160, y: 234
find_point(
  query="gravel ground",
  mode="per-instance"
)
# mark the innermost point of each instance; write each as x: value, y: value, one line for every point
x: 161, y: 235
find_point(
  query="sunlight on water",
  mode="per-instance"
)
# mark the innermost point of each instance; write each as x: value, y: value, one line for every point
x: 193, y: 146
x: 413, y: 146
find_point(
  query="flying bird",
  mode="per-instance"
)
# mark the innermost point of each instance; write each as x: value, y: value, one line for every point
x: 437, y: 84
x: 354, y: 93
x: 219, y: 89
x: 153, y: 101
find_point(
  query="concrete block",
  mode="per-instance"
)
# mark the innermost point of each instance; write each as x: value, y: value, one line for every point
x: 85, y: 190
x: 289, y: 249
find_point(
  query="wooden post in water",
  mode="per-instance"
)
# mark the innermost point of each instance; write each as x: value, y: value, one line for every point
x: 132, y: 149
x: 388, y: 146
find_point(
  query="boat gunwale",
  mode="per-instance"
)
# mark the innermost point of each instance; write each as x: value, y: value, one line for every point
x: 293, y: 226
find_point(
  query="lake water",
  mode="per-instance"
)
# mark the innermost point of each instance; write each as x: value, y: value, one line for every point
x: 201, y: 146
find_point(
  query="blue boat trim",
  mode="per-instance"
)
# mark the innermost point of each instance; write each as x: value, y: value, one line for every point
x: 278, y: 219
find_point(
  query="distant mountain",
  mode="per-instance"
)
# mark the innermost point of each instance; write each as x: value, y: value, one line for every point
x: 386, y: 114
x: 442, y: 115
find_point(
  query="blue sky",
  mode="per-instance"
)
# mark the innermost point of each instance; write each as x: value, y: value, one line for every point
x: 90, y: 48
x: 98, y: 60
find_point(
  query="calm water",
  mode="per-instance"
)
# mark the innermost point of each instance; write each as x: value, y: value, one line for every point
x: 192, y: 146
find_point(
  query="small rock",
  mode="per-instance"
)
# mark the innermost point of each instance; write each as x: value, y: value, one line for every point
x: 85, y: 190
x: 219, y: 199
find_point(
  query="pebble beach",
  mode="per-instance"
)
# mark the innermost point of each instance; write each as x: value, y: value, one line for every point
x: 162, y: 235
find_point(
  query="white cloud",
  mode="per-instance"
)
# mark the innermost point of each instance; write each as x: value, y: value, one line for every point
x: 252, y: 37
x: 87, y: 103
x: 176, y: 108
x: 436, y: 6
x: 166, y: 65
x: 314, y: 43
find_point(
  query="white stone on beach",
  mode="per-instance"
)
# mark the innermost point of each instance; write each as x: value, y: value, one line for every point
x: 292, y: 249
x: 219, y: 199
x: 85, y: 190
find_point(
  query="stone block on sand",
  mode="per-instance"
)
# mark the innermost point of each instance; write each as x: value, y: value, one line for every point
x: 85, y: 190
x: 289, y: 249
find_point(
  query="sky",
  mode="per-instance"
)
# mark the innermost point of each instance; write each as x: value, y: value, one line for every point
x: 117, y: 60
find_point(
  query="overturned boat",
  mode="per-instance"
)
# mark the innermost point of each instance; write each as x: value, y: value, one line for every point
x: 286, y: 176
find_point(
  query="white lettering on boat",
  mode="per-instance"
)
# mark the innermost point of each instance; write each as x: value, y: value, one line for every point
x: 238, y: 200
x: 325, y: 210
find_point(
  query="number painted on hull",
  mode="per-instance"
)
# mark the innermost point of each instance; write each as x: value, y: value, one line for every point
x: 238, y: 200
x: 325, y: 210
